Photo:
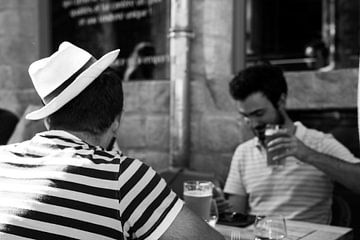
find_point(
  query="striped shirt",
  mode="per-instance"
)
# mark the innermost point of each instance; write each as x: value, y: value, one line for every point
x: 56, y: 186
x: 298, y: 191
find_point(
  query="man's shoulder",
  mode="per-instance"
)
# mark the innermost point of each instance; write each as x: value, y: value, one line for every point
x: 14, y: 147
x: 250, y: 143
x: 247, y: 146
x: 305, y: 132
x: 127, y: 161
x: 5, y: 152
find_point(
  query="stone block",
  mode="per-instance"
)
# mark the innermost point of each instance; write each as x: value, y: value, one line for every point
x: 197, y: 8
x: 18, y: 22
x: 157, y: 132
x: 6, y: 77
x: 217, y: 50
x: 202, y: 98
x: 157, y: 97
x: 220, y: 133
x: 17, y: 100
x: 15, y: 77
x: 195, y: 129
x: 29, y: 23
x: 26, y: 129
x: 132, y: 132
x: 217, y: 42
x: 212, y: 95
x: 216, y: 10
x: 17, y: 50
x: 27, y: 97
x: 9, y: 101
x: 11, y: 4
x: 22, y: 80
x: 217, y: 163
x: 321, y: 90
x: 10, y: 22
x: 157, y: 160
x: 150, y: 96
x: 197, y: 63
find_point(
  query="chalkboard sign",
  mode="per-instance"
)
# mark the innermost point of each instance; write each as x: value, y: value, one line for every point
x: 138, y: 27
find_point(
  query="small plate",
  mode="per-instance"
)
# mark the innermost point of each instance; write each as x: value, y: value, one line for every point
x: 236, y: 219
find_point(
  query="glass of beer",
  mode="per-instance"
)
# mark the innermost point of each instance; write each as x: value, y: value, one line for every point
x: 197, y: 196
x: 272, y: 132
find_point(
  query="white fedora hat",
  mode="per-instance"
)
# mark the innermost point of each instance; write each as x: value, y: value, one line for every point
x: 65, y: 74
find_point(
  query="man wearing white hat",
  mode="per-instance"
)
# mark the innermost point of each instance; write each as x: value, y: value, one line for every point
x: 65, y: 184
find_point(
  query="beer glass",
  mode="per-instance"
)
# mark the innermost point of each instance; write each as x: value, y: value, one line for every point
x: 272, y: 132
x: 198, y: 196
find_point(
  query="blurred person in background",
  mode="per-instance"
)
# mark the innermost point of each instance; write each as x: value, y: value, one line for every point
x: 8, y: 124
x: 318, y: 53
x: 64, y: 183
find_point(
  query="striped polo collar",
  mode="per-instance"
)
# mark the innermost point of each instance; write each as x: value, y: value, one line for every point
x: 61, y: 134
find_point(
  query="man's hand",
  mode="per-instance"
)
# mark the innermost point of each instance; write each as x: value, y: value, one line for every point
x: 287, y: 146
x: 222, y: 204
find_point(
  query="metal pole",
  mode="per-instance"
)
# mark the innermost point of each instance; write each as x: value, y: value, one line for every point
x: 329, y: 31
x: 180, y: 34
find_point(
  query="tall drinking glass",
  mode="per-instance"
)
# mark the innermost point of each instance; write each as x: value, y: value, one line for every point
x: 272, y: 132
x: 197, y: 196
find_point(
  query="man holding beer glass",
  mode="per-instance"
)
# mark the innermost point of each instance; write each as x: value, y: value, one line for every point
x: 276, y: 172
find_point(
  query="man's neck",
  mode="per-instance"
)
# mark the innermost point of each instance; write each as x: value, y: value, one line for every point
x: 94, y: 140
x: 289, y: 124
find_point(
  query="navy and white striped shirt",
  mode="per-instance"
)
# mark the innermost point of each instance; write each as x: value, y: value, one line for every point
x: 56, y: 186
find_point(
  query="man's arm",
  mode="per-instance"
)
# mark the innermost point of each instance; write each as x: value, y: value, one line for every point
x: 344, y: 172
x: 188, y: 226
x: 238, y: 203
x: 339, y: 170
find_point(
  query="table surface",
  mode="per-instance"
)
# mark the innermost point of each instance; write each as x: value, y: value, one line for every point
x: 296, y: 230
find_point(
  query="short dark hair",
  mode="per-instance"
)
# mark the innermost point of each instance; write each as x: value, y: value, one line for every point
x: 94, y: 109
x: 264, y: 78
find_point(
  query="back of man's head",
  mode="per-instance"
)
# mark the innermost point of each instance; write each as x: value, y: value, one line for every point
x: 94, y: 109
x: 264, y: 78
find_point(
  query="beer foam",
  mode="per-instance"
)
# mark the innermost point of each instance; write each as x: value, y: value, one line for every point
x: 272, y: 131
x: 198, y: 193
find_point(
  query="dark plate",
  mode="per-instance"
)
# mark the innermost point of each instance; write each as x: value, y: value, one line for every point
x: 236, y: 219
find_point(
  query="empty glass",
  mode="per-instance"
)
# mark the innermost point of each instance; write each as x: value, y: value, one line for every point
x: 270, y: 227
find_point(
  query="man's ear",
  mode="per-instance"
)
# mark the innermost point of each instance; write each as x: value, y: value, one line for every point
x: 116, y: 124
x: 47, y: 123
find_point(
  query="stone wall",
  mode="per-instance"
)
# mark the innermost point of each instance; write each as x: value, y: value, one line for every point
x: 19, y: 46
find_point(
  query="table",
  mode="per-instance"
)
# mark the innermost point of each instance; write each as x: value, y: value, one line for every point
x: 296, y: 230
